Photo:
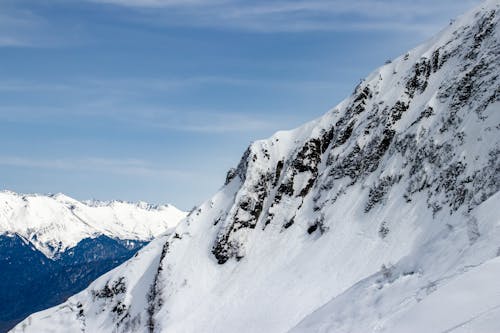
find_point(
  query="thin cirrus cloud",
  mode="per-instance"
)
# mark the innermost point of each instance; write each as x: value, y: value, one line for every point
x: 24, y: 25
x: 297, y: 16
x: 12, y: 41
x: 133, y: 167
x: 111, y: 98
x: 15, y: 29
x: 222, y: 122
x: 161, y: 119
x: 21, y: 27
x: 138, y: 85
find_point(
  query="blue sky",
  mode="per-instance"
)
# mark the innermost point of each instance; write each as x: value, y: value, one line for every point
x: 155, y: 99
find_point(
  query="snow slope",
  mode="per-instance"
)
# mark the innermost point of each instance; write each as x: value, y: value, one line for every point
x: 430, y: 299
x: 57, y: 222
x: 368, y: 219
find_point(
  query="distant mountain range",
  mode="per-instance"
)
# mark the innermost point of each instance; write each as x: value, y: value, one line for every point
x: 51, y: 247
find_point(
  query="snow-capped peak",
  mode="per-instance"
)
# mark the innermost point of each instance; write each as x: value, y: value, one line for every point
x: 54, y: 223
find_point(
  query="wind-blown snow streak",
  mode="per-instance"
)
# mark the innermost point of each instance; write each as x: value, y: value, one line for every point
x: 353, y: 222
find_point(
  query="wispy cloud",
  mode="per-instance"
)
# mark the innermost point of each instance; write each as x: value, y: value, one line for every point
x: 117, y: 86
x: 113, y: 99
x: 11, y: 41
x: 19, y: 27
x: 221, y: 122
x: 158, y: 3
x: 32, y: 86
x: 22, y: 27
x: 196, y: 121
x: 133, y: 167
x: 298, y: 15
x: 23, y: 24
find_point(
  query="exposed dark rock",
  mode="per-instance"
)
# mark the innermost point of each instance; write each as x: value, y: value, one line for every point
x: 485, y: 28
x: 379, y: 190
x: 155, y: 301
x: 289, y: 223
x: 231, y: 173
x: 419, y: 80
x: 277, y: 175
x: 109, y: 291
x: 318, y: 225
x: 383, y: 231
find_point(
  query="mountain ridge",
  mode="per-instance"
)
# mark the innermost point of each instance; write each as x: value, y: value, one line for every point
x: 54, y: 223
x: 345, y: 224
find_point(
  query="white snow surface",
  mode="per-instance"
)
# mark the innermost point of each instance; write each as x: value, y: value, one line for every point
x: 381, y: 216
x: 55, y: 223
x: 465, y: 299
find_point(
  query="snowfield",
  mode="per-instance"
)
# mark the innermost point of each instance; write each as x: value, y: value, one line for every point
x: 381, y: 216
x: 57, y: 222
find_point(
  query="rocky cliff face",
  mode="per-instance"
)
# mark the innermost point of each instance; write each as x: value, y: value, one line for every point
x: 346, y: 224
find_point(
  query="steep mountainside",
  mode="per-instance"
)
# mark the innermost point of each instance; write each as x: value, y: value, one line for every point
x: 53, y: 247
x: 381, y: 216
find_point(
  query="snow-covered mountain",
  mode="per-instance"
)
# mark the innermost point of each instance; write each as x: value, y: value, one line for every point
x: 52, y: 247
x: 54, y: 223
x: 381, y: 216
